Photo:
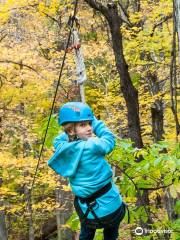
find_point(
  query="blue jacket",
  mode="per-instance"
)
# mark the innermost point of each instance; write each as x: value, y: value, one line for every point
x: 83, y: 163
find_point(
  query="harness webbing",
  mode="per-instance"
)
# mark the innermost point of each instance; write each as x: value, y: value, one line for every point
x: 97, y: 194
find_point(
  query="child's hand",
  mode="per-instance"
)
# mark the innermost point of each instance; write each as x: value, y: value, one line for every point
x: 95, y: 124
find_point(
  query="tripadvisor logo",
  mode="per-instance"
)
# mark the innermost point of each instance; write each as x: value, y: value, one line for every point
x: 140, y: 231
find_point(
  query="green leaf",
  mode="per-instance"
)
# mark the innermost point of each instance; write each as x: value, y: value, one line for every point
x: 157, y: 161
x: 177, y: 207
x: 73, y: 222
x: 53, y: 130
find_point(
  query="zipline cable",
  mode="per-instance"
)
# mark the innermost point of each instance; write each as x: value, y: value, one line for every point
x: 73, y: 17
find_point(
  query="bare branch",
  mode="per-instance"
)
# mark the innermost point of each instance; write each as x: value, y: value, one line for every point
x: 4, y: 105
x: 24, y: 65
x: 1, y: 81
x: 2, y: 37
x: 136, y: 5
x: 156, y: 188
x: 52, y: 18
x: 164, y: 19
x: 20, y: 64
x: 127, y: 21
x: 21, y: 8
x: 126, y: 4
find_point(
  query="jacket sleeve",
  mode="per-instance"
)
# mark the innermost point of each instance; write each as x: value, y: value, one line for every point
x: 60, y: 139
x: 66, y: 157
x: 105, y: 141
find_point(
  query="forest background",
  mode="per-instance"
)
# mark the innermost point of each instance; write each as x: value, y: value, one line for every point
x: 131, y: 57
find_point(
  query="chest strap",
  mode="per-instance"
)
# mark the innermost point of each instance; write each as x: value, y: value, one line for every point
x: 97, y: 194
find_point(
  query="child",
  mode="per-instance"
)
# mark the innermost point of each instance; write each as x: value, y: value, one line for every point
x: 80, y: 157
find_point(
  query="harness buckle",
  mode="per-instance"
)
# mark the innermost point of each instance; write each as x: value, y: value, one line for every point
x: 91, y: 205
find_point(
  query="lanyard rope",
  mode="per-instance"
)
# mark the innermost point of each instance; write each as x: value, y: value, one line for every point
x: 55, y: 94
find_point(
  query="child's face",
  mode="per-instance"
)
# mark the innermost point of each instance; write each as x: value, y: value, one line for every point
x: 84, y: 129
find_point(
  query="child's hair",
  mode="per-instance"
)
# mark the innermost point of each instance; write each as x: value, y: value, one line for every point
x: 67, y: 128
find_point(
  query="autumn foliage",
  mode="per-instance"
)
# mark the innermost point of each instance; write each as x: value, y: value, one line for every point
x: 33, y: 36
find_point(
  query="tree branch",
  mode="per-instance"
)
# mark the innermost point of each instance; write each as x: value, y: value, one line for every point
x: 52, y: 18
x: 1, y: 81
x: 21, y: 8
x: 4, y: 107
x: 2, y: 37
x: 164, y: 19
x: 156, y: 188
x: 130, y: 178
x: 20, y: 64
x: 24, y: 65
x: 125, y: 14
x: 150, y: 188
x: 98, y: 6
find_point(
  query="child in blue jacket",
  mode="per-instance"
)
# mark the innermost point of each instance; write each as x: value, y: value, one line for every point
x: 79, y: 156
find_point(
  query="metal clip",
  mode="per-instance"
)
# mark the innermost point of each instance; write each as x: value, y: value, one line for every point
x: 91, y: 205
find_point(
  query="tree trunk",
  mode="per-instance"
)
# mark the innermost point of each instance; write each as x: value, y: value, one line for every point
x: 129, y: 92
x: 157, y: 113
x: 3, y: 230
x: 157, y: 109
x: 0, y: 129
x: 170, y: 204
x: 177, y: 22
x: 63, y: 211
x: 59, y: 219
x: 173, y: 77
x: 29, y: 211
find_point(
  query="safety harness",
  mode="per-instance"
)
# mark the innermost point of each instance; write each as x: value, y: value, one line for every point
x: 98, y: 222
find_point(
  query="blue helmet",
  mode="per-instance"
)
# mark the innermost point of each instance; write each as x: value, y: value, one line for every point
x: 75, y: 112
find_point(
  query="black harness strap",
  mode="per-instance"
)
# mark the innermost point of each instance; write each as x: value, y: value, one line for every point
x: 97, y: 194
x: 90, y: 209
x: 99, y: 222
x: 91, y: 201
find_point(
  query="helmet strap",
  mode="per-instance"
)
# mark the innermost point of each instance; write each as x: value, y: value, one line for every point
x: 75, y: 135
x: 72, y: 137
